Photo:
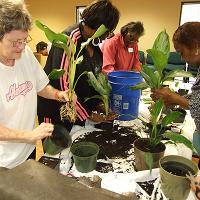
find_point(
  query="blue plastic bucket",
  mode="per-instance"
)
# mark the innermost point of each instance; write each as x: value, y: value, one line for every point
x: 123, y: 100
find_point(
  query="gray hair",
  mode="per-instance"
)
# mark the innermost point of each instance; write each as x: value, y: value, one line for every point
x: 13, y: 16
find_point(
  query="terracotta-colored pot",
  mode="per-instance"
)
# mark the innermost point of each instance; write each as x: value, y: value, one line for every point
x: 141, y: 148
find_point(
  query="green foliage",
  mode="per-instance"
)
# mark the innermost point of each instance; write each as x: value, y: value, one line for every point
x: 102, y: 86
x: 159, y: 54
x: 56, y: 73
x: 63, y: 41
x: 158, y: 125
x: 149, y: 160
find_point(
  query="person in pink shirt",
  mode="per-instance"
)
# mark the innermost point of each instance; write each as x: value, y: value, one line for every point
x: 121, y: 51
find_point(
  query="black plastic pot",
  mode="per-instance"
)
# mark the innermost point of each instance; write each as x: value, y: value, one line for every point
x: 53, y: 163
x: 108, y: 125
x: 59, y: 140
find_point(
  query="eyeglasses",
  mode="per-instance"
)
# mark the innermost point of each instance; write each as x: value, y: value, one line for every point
x: 18, y: 43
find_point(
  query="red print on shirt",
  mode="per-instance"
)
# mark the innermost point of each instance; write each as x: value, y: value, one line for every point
x: 21, y: 89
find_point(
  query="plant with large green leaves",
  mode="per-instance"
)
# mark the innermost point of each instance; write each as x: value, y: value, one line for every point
x: 158, y: 125
x: 61, y: 40
x: 102, y: 86
x: 154, y: 78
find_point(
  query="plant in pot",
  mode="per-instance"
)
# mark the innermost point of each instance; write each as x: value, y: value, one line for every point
x: 68, y: 110
x: 177, y: 173
x: 155, y: 78
x: 103, y: 87
x: 149, y: 150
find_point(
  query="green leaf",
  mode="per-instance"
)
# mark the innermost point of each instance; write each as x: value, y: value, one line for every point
x: 103, y: 80
x: 99, y: 32
x: 177, y: 73
x: 169, y: 118
x: 177, y: 138
x: 162, y: 43
x: 156, y: 111
x: 51, y: 35
x: 158, y: 79
x: 97, y: 86
x: 94, y: 97
x: 147, y: 79
x: 79, y: 60
x: 56, y: 73
x: 159, y: 58
x: 149, y: 160
x: 58, y: 39
x: 142, y: 86
x: 154, y: 76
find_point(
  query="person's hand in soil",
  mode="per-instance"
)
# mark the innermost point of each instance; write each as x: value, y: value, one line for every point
x: 100, y: 117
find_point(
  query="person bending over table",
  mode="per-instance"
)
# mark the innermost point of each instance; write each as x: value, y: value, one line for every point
x: 97, y: 13
x: 120, y: 52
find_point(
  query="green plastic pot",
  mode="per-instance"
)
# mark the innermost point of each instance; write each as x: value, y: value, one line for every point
x: 85, y: 156
x: 176, y: 187
x: 59, y: 140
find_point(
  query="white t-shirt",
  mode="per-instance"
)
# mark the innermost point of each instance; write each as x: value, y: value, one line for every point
x: 18, y: 104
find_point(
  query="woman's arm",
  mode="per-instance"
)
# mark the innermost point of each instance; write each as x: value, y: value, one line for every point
x: 42, y: 131
x: 169, y: 97
x: 50, y: 92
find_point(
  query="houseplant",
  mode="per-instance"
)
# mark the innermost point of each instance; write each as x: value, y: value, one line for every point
x: 155, y: 78
x: 103, y: 87
x: 146, y: 149
x: 68, y: 110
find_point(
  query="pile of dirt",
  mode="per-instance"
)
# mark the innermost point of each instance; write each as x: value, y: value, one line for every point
x: 113, y: 143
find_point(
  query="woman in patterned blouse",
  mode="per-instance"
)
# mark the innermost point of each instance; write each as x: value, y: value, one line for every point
x: 186, y: 41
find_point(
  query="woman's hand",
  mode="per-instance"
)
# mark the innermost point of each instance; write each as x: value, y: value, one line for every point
x: 61, y: 96
x: 42, y: 131
x: 195, y: 186
x: 169, y: 97
x: 164, y: 93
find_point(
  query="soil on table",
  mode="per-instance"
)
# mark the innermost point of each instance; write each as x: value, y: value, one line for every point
x: 50, y: 161
x: 148, y: 187
x: 143, y: 145
x: 177, y: 169
x: 113, y: 143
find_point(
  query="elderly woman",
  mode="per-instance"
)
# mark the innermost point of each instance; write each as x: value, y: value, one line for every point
x: 97, y: 13
x: 120, y: 52
x: 21, y: 79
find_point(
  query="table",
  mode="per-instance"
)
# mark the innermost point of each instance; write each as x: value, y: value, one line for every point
x: 126, y: 182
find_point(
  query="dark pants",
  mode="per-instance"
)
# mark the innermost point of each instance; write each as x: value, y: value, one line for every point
x: 32, y: 155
